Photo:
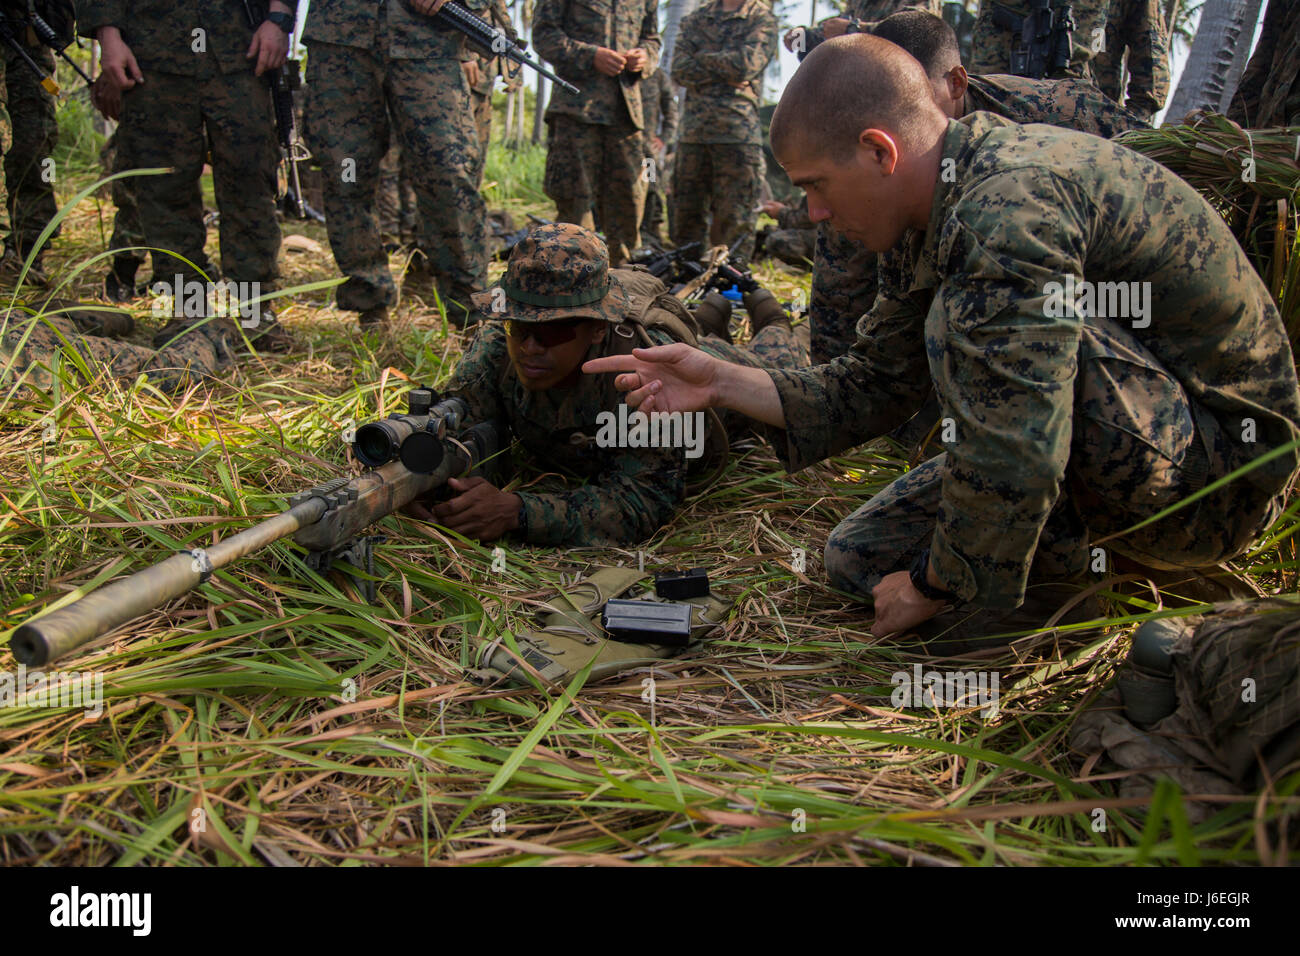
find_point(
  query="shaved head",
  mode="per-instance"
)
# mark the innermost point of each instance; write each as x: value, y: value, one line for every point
x: 847, y: 85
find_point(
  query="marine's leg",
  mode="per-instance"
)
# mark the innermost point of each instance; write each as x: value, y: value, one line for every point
x: 572, y: 159
x: 620, y: 202
x: 349, y: 135
x: 162, y: 126
x: 737, y: 185
x: 30, y: 172
x: 688, y: 202
x: 430, y: 102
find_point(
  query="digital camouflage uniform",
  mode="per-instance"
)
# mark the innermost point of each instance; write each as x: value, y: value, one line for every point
x: 624, y: 495
x: 30, y: 140
x: 199, y: 95
x: 993, y: 45
x: 30, y: 349
x: 594, y: 152
x: 396, y: 205
x: 379, y: 73
x: 489, y: 69
x: 128, y: 233
x: 659, y: 118
x: 1137, y: 26
x: 720, y: 58
x: 844, y: 273
x: 1063, y: 430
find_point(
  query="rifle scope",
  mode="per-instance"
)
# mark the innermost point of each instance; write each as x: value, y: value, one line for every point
x: 416, y: 437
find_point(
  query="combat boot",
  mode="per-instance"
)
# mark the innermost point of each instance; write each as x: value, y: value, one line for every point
x: 714, y: 316
x: 11, y: 269
x: 269, y: 335
x: 119, y: 284
x: 764, y: 310
x: 374, y: 318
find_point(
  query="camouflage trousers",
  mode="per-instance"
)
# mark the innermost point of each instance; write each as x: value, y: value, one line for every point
x: 716, y: 187
x: 28, y: 173
x: 173, y: 121
x: 354, y: 92
x: 396, y: 205
x: 593, y: 172
x: 1140, y: 445
x: 482, y: 123
x: 992, y: 44
x: 127, y: 231
x: 31, y: 349
x: 652, y: 222
x: 844, y: 288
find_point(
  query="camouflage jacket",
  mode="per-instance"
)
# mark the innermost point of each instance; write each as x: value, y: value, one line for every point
x: 716, y: 50
x: 1139, y: 27
x: 659, y: 108
x: 400, y: 35
x: 567, y: 33
x: 1028, y: 206
x: 844, y: 288
x: 163, y: 36
x: 619, y: 496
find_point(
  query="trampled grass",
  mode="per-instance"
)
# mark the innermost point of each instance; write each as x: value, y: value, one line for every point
x: 271, y: 717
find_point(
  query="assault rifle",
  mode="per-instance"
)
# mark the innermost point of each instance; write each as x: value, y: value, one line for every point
x: 407, y: 457
x: 1044, y: 38
x: 51, y: 23
x: 700, y: 285
x: 293, y: 150
x: 491, y: 39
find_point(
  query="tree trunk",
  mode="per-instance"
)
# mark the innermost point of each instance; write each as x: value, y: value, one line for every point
x: 1217, y: 57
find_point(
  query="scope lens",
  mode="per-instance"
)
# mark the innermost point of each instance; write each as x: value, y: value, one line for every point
x: 376, y: 444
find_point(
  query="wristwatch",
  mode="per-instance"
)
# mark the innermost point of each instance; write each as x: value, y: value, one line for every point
x: 855, y: 25
x: 282, y: 20
x: 920, y: 570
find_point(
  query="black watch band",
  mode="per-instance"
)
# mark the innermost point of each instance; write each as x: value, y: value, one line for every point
x: 920, y: 581
x: 282, y: 20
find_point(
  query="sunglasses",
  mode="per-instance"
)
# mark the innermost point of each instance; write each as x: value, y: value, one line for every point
x: 546, y: 334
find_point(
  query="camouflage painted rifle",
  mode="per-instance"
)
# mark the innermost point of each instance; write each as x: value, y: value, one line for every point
x: 1043, y: 38
x: 408, y: 456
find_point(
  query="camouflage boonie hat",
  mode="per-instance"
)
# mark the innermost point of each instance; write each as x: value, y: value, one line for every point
x: 557, y: 271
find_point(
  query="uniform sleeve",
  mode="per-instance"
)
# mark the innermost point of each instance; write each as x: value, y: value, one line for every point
x: 688, y: 70
x: 477, y: 379
x: 1148, y: 59
x: 554, y: 45
x: 649, y: 39
x: 747, y: 60
x: 1008, y: 364
x: 93, y: 14
x: 634, y: 496
x: 877, y: 386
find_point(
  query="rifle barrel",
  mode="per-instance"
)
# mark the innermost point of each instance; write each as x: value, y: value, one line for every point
x: 46, y: 638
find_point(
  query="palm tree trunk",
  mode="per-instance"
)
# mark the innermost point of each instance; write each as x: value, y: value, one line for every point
x: 1217, y: 57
